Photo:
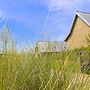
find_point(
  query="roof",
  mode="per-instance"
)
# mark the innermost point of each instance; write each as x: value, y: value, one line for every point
x: 60, y: 42
x: 51, y: 46
x: 51, y: 42
x: 84, y: 16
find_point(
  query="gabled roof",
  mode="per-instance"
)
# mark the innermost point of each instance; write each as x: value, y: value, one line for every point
x: 84, y: 16
x: 51, y: 46
x: 59, y: 42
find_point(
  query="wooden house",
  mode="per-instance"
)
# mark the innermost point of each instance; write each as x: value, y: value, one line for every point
x: 79, y: 31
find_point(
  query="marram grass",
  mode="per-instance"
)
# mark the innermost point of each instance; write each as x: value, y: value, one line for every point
x: 56, y: 71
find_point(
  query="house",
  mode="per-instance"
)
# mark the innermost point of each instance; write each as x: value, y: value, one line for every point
x: 79, y: 31
x: 51, y: 46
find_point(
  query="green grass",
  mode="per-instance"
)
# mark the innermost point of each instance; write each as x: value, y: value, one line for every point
x: 56, y: 71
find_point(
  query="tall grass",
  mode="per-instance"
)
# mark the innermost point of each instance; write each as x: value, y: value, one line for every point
x: 34, y: 71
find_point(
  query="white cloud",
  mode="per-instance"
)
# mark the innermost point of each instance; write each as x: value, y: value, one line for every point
x: 65, y: 4
x: 1, y: 13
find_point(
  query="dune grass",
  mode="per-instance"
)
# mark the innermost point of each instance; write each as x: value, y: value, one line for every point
x: 33, y: 71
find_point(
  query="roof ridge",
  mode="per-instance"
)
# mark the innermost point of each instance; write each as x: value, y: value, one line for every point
x: 83, y: 12
x: 52, y: 41
x: 83, y: 18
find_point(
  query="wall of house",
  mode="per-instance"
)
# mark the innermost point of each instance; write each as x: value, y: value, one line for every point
x: 79, y: 34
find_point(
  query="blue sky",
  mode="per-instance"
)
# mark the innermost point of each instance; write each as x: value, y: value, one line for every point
x: 30, y: 20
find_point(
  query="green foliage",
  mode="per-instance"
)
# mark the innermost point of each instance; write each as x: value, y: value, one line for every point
x: 85, y: 56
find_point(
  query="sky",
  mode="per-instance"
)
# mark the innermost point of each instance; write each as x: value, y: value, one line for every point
x: 30, y: 21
